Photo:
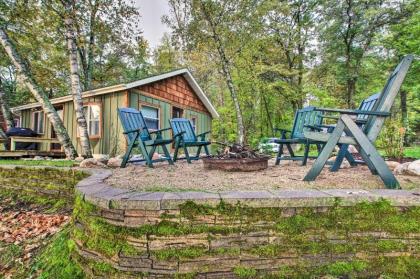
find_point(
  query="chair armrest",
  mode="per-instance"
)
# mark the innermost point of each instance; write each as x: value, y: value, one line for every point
x: 354, y: 112
x: 179, y: 134
x: 159, y: 131
x: 133, y: 131
x: 203, y: 135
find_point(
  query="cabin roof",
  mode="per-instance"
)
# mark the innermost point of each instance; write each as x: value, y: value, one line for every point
x: 125, y: 86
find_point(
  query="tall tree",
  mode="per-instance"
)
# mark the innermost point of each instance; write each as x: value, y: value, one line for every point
x: 223, y: 28
x: 38, y: 93
x: 4, y: 108
x: 104, y: 27
x: 76, y: 90
x: 349, y: 29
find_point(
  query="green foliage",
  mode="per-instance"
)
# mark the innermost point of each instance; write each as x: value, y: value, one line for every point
x: 245, y: 272
x: 412, y: 152
x: 55, y: 261
x: 341, y: 268
x: 392, y: 139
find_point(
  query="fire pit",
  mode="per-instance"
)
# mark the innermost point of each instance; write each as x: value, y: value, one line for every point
x: 237, y: 158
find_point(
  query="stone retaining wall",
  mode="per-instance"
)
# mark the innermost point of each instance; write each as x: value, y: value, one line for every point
x: 267, y: 234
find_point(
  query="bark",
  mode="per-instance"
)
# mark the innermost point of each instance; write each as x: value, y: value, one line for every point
x: 2, y: 133
x: 226, y: 69
x: 404, y: 113
x: 5, y: 110
x: 87, y: 53
x: 38, y: 93
x: 76, y: 91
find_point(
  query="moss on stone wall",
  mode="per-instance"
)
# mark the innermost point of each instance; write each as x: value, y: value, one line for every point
x: 368, y: 239
x: 42, y: 186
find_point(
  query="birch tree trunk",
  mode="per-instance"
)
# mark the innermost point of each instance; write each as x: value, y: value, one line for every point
x: 76, y: 91
x: 38, y: 93
x: 226, y: 69
x: 5, y: 110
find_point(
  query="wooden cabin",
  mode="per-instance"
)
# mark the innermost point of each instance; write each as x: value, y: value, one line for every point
x: 160, y: 98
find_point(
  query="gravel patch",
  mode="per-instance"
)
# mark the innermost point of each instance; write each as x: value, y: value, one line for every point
x: 289, y: 175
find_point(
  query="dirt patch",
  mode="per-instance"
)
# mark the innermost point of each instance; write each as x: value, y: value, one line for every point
x: 289, y: 175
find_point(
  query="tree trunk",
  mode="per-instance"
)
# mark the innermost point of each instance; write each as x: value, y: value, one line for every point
x: 404, y: 113
x: 76, y: 91
x: 227, y: 74
x: 39, y: 94
x: 5, y: 110
x: 351, y: 88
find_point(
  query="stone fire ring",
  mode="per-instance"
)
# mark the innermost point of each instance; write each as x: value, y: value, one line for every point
x: 244, y: 164
x: 95, y: 190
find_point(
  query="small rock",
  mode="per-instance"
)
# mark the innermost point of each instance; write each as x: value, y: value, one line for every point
x: 79, y: 159
x: 414, y: 168
x: 103, y: 158
x: 114, y: 162
x: 38, y: 158
x: 91, y: 163
x: 401, y: 169
x: 392, y: 165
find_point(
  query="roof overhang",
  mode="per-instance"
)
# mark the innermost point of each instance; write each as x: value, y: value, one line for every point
x: 121, y: 87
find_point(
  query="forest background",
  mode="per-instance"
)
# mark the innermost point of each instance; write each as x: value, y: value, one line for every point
x: 257, y: 60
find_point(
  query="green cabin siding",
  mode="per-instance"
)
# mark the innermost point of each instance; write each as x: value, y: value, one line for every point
x: 112, y: 141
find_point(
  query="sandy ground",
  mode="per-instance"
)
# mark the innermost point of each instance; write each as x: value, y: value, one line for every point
x: 289, y: 175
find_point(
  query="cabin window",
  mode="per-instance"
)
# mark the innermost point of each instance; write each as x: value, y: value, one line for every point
x: 177, y: 112
x: 194, y: 123
x: 17, y: 121
x: 38, y: 122
x: 151, y: 117
x: 93, y: 118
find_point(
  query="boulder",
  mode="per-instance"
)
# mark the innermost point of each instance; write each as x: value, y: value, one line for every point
x: 79, y: 159
x: 103, y: 158
x: 114, y: 162
x: 401, y: 168
x: 91, y: 163
x: 413, y: 168
x: 392, y: 165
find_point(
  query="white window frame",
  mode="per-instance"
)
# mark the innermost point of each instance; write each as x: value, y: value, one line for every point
x: 89, y: 121
x: 193, y: 121
x: 41, y: 120
x: 158, y: 114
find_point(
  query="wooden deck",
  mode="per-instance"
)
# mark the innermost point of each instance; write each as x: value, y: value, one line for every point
x: 30, y: 153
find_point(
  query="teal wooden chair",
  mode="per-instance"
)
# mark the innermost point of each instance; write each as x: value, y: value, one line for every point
x: 362, y: 136
x: 138, y: 135
x: 306, y: 117
x: 185, y: 137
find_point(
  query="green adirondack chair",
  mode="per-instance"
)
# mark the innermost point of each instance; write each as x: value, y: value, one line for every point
x: 185, y: 137
x: 362, y: 137
x: 366, y: 105
x: 304, y: 118
x: 137, y: 134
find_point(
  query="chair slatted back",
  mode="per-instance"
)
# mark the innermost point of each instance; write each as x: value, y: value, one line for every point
x: 132, y: 119
x: 179, y: 125
x: 368, y: 105
x: 305, y: 116
x: 386, y: 99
